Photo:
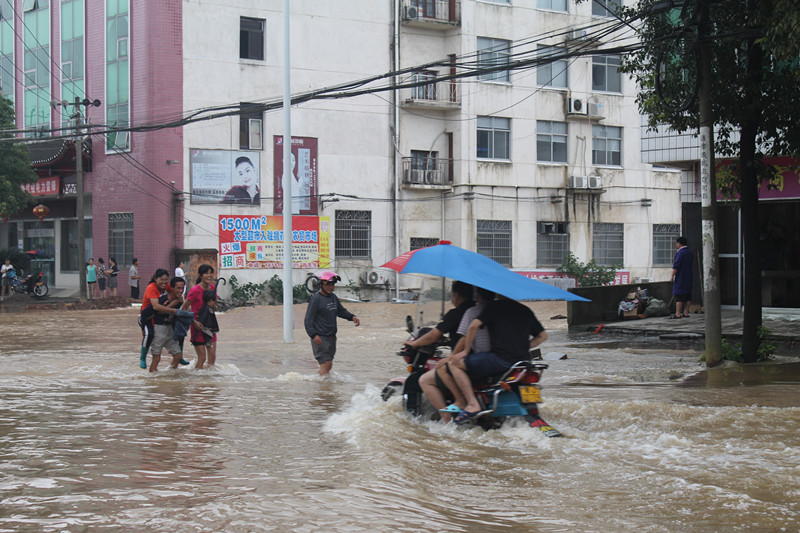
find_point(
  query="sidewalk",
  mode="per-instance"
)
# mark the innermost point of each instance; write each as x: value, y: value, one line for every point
x: 783, y: 328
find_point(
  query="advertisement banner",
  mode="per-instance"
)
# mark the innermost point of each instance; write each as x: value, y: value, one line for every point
x: 251, y: 242
x: 304, y: 174
x: 622, y: 277
x: 225, y: 177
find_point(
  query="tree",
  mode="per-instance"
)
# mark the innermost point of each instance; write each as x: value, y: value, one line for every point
x: 15, y: 165
x: 757, y: 114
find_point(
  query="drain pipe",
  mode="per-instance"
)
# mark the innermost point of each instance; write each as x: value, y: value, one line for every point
x: 396, y: 137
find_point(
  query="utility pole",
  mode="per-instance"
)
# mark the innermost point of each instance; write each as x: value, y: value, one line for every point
x: 288, y: 294
x: 708, y: 193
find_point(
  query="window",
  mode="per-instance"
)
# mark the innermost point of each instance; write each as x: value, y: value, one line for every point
x: 608, y: 244
x: 664, y: 236
x: 354, y: 234
x: 554, y: 72
x: 427, y: 91
x: 552, y: 243
x: 493, y: 53
x: 494, y: 240
x: 250, y: 127
x: 251, y: 38
x: 36, y: 64
x: 551, y: 141
x: 117, y: 74
x: 555, y: 5
x: 605, y: 8
x: 494, y: 134
x: 605, y: 74
x: 7, y: 49
x: 606, y: 145
x: 72, y: 57
x: 120, y: 237
x: 423, y: 242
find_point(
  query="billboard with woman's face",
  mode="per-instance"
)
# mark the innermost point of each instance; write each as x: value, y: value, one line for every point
x: 225, y: 177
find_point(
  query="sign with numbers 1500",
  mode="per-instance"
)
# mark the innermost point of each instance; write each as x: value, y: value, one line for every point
x: 256, y: 241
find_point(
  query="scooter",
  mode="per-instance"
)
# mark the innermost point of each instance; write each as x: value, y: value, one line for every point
x: 32, y: 284
x: 516, y: 393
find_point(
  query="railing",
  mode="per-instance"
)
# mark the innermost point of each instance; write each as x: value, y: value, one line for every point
x: 446, y: 11
x: 436, y: 171
x: 432, y: 93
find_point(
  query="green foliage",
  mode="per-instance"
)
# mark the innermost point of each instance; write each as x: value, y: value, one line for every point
x: 354, y: 288
x: 15, y: 166
x: 243, y: 293
x: 590, y: 274
x: 766, y: 349
x: 274, y: 288
x: 19, y: 259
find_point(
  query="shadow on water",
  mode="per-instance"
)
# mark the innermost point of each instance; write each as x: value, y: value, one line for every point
x: 745, y: 375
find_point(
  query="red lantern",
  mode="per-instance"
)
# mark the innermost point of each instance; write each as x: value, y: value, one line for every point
x: 41, y: 211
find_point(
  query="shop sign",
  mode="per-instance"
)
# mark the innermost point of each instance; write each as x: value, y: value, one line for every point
x: 622, y: 277
x: 43, y: 187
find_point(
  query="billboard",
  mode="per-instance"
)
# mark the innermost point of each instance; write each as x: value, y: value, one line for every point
x: 225, y: 177
x: 304, y: 174
x: 252, y: 242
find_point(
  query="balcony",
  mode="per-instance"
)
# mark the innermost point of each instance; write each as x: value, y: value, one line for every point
x: 440, y: 95
x: 431, y: 173
x: 441, y: 14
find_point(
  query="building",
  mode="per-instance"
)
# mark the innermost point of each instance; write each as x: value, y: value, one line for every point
x: 510, y: 133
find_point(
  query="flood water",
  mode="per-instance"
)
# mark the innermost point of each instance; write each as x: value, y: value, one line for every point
x: 90, y: 442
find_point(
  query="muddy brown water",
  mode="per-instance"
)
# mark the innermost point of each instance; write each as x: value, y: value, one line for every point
x: 88, y: 441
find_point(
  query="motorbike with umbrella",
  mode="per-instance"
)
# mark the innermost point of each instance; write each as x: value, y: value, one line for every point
x: 516, y: 393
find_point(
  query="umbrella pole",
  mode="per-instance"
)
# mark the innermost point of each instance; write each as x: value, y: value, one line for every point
x: 443, y: 299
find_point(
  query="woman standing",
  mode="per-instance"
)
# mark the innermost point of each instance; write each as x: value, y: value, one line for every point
x: 205, y: 348
x: 133, y: 278
x: 101, y: 277
x: 113, y: 270
x: 91, y: 277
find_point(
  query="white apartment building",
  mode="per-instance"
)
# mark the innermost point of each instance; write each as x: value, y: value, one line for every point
x: 521, y: 164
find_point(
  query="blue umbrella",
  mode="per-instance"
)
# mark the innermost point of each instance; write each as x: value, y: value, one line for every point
x: 453, y: 262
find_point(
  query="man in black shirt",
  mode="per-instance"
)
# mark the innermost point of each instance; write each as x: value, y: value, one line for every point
x: 462, y: 300
x: 513, y: 331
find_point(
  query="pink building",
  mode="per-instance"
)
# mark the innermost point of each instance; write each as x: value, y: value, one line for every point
x: 53, y: 52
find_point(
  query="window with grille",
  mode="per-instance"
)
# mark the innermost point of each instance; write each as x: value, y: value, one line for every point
x: 608, y: 244
x: 494, y: 240
x: 552, y: 243
x: 605, y: 8
x: 552, y: 72
x: 493, y: 53
x: 120, y: 237
x: 605, y: 73
x: 354, y: 234
x: 250, y: 124
x: 664, y: 236
x: 251, y: 38
x: 494, y: 135
x: 423, y: 242
x: 117, y: 74
x: 551, y: 141
x: 606, y: 145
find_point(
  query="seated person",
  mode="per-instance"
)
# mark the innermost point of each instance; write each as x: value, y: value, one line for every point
x: 513, y: 331
x: 437, y: 380
x: 462, y: 300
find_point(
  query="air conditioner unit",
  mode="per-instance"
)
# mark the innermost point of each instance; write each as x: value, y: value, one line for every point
x: 546, y: 228
x: 410, y: 13
x: 595, y: 182
x: 373, y: 277
x: 577, y: 106
x: 595, y: 110
x: 578, y: 182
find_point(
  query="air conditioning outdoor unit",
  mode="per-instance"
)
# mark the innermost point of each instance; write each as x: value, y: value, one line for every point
x: 410, y: 13
x: 578, y: 182
x: 577, y: 35
x: 415, y: 176
x: 373, y: 277
x: 595, y: 110
x: 577, y: 106
x: 595, y: 182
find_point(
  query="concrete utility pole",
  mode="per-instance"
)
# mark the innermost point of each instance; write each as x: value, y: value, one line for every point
x: 288, y: 295
x: 79, y: 201
x: 708, y: 193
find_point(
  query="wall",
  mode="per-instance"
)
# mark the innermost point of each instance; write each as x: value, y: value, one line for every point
x: 605, y: 301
